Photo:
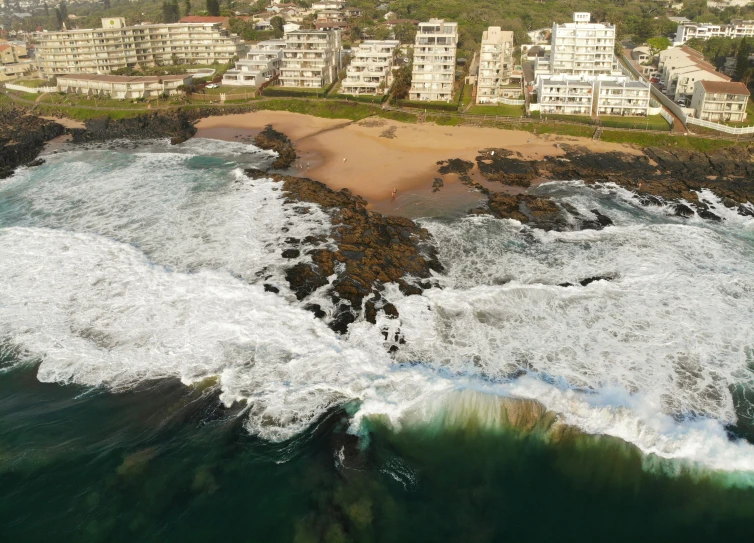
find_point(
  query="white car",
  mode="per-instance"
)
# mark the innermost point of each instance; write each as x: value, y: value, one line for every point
x: 212, y: 86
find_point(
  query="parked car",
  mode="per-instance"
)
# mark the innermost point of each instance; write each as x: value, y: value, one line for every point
x: 212, y: 86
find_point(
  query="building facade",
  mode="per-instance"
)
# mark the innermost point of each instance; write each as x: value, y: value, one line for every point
x: 123, y: 87
x: 495, y: 65
x: 262, y: 64
x: 582, y: 47
x: 371, y: 68
x: 736, y: 29
x: 718, y: 101
x: 116, y: 46
x: 681, y: 68
x: 620, y: 96
x: 311, y: 58
x: 434, y: 69
x: 564, y: 95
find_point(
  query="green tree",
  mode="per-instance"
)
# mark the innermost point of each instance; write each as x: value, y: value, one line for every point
x: 405, y: 32
x: 213, y: 8
x: 47, y: 10
x: 658, y: 44
x: 742, y: 60
x: 170, y: 11
x: 106, y: 4
x: 277, y: 26
x: 63, y: 7
x: 401, y: 83
x: 58, y: 18
x: 187, y: 7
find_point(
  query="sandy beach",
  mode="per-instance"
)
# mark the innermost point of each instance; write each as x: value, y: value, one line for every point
x: 373, y: 156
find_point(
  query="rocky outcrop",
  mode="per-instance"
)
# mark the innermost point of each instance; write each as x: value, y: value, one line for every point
x: 370, y: 250
x: 658, y: 176
x: 541, y: 212
x: 272, y: 140
x: 22, y: 138
x: 176, y: 125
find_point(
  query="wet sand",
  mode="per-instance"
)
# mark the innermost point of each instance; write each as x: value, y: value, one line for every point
x: 373, y: 156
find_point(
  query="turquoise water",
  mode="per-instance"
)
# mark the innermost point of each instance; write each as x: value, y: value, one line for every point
x: 151, y: 390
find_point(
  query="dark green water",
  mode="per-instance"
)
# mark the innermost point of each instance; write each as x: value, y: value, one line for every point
x: 165, y: 463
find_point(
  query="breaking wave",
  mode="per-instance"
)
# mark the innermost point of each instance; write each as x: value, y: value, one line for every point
x: 120, y: 267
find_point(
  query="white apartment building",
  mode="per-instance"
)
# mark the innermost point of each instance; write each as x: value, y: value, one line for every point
x: 718, y: 101
x: 262, y: 63
x: 736, y: 29
x: 621, y: 96
x: 434, y: 70
x: 565, y: 95
x: 371, y: 68
x: 311, y: 58
x: 602, y: 95
x: 123, y: 87
x: 495, y: 65
x: 582, y: 47
x: 681, y: 67
x: 116, y: 46
x: 581, y: 76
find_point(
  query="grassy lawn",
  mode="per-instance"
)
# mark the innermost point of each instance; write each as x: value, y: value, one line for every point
x: 499, y: 110
x: 354, y: 111
x: 663, y: 140
x: 468, y: 94
x: 31, y: 96
x: 444, y: 120
x: 584, y: 119
x: 429, y: 105
x: 32, y: 83
x: 653, y: 122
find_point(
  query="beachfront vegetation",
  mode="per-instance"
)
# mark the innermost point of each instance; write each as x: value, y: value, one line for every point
x: 498, y: 110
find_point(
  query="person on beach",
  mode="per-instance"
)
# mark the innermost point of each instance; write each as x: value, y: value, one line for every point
x: 395, y: 191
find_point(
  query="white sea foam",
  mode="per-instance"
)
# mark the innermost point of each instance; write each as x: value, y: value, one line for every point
x: 122, y: 267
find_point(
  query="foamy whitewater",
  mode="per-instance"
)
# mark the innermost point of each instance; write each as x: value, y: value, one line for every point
x: 124, y: 266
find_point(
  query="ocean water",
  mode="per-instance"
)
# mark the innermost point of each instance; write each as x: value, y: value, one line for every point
x: 151, y: 389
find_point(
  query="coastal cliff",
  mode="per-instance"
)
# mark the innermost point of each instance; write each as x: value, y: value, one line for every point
x: 22, y: 138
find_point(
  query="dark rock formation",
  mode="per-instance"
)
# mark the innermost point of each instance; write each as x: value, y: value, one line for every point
x: 371, y: 250
x: 22, y: 138
x: 272, y: 140
x: 455, y: 165
x: 659, y: 176
x: 541, y: 212
x: 174, y: 124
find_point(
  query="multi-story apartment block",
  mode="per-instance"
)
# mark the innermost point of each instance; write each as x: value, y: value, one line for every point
x: 331, y: 16
x: 495, y: 65
x: 582, y: 47
x: 123, y: 87
x: 736, y: 29
x: 718, y: 101
x: 434, y: 70
x: 581, y: 75
x: 601, y: 95
x: 621, y: 96
x: 371, y: 68
x: 116, y: 46
x: 11, y: 53
x: 311, y: 58
x: 565, y: 95
x: 262, y: 63
x: 681, y: 67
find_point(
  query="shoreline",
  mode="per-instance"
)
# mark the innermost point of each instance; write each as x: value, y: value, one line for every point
x: 373, y: 156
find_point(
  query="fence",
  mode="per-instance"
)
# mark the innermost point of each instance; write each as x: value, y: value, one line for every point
x: 511, y: 101
x: 32, y: 90
x: 668, y: 117
x: 735, y: 130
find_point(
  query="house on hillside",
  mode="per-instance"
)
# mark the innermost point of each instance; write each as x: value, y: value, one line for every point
x: 720, y: 101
